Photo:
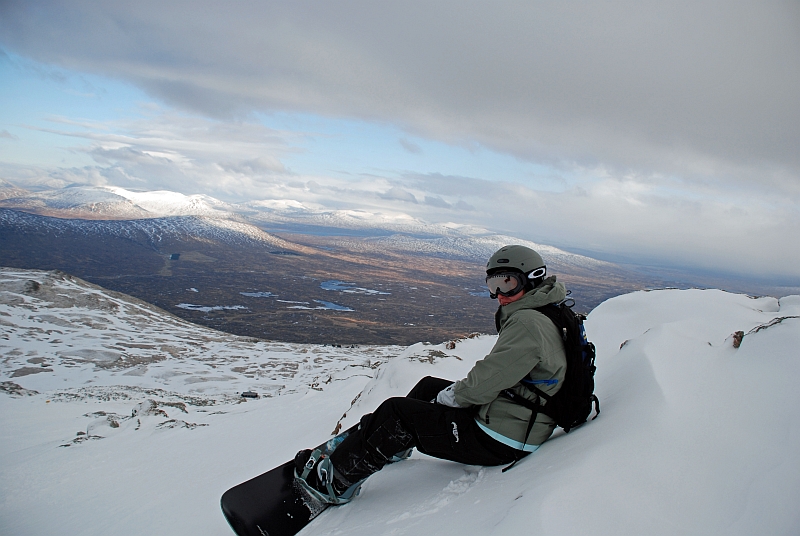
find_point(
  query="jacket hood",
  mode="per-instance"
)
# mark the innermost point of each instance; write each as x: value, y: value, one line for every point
x: 549, y: 291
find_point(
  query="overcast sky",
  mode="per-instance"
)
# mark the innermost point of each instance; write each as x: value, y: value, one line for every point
x: 663, y: 132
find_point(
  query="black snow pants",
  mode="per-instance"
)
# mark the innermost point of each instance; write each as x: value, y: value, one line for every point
x: 414, y: 421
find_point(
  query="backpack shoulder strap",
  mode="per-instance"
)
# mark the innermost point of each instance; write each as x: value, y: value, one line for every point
x: 554, y: 312
x: 533, y: 406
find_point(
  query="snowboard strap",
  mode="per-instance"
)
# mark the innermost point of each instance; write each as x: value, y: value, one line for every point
x: 317, y: 455
x: 312, y: 461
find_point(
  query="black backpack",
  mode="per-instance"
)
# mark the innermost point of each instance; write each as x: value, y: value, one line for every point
x: 572, y: 404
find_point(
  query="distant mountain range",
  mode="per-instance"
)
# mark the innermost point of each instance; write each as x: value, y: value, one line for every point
x: 280, y: 270
x: 152, y: 233
x: 405, y: 233
x: 90, y: 202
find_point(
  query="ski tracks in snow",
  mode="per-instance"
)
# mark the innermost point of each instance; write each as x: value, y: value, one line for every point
x: 404, y: 499
x: 472, y: 476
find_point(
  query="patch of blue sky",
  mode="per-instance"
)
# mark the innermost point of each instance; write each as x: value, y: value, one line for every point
x: 40, y: 103
x: 347, y: 148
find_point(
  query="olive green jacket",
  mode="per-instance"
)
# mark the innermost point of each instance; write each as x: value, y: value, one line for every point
x: 528, y: 345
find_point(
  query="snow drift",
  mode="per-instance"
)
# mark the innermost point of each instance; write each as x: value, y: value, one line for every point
x: 695, y: 436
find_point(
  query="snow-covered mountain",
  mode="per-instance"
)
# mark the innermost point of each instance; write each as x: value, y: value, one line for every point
x: 166, y: 203
x: 77, y: 202
x: 297, y: 213
x: 406, y: 234
x: 8, y: 190
x: 409, y: 235
x: 152, y: 230
x: 473, y: 248
x: 386, y: 231
x: 101, y: 202
x: 118, y: 418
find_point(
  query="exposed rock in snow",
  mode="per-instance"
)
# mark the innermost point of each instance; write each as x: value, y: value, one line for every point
x: 15, y: 390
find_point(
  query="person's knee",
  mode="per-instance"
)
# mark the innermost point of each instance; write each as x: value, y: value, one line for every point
x: 388, y: 409
x: 427, y: 388
x: 420, y: 386
x: 392, y: 404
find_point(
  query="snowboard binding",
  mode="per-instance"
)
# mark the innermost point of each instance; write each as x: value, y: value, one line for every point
x: 316, y: 478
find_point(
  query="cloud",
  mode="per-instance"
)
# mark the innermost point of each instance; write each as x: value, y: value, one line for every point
x: 410, y: 146
x: 6, y: 134
x: 448, y: 185
x: 174, y: 151
x: 436, y: 201
x: 462, y: 205
x: 399, y: 194
x: 259, y: 165
x: 699, y: 90
x: 90, y: 175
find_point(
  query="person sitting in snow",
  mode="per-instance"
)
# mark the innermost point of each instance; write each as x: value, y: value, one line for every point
x: 467, y: 421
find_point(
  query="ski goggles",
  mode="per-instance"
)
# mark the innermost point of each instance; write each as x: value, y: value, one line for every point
x: 505, y: 283
x: 510, y: 283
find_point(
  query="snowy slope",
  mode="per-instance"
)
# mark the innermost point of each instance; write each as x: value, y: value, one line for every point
x: 695, y: 436
x: 60, y: 332
x: 668, y: 454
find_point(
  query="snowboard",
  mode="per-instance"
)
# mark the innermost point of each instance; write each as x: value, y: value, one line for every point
x: 273, y: 504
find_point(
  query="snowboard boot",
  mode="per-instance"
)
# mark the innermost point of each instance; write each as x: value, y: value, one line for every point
x: 314, y: 472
